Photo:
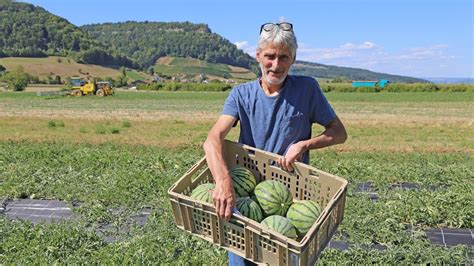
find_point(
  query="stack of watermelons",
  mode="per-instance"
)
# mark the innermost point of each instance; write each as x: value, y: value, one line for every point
x: 269, y: 202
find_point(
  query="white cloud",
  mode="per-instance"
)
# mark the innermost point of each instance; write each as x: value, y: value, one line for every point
x: 242, y: 44
x: 417, y: 61
x: 367, y: 45
x: 429, y: 61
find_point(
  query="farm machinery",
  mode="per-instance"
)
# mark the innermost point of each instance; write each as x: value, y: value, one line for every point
x: 82, y: 87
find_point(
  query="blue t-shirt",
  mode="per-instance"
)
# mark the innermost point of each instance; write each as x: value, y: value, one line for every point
x: 273, y: 123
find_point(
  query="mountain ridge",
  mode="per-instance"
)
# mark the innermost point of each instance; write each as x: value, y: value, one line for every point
x: 31, y: 31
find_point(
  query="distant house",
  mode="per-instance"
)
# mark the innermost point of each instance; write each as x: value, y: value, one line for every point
x: 370, y: 83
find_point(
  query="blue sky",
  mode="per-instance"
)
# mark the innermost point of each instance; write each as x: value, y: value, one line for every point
x: 420, y: 38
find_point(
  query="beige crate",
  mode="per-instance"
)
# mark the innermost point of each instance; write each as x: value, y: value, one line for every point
x: 246, y: 237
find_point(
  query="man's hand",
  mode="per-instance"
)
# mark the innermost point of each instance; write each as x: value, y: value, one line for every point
x: 294, y: 153
x: 223, y: 198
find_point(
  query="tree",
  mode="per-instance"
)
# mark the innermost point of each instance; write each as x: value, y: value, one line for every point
x: 122, y: 79
x: 17, y: 79
x: 341, y: 79
x: 151, y: 70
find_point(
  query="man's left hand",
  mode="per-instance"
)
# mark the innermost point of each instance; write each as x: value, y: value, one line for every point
x: 294, y: 153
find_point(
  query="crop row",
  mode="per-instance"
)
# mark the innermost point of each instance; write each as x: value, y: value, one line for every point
x: 109, y: 176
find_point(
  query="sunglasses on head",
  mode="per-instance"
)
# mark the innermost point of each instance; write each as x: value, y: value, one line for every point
x: 270, y: 26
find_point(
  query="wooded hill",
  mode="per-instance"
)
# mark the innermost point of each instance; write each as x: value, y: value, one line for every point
x: 31, y: 31
x: 334, y: 72
x: 145, y: 42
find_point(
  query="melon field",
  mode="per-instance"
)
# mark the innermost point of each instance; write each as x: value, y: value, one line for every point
x: 110, y: 158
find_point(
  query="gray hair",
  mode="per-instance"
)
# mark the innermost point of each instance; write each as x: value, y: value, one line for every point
x: 278, y: 37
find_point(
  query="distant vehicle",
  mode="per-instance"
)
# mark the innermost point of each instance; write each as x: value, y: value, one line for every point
x: 82, y: 87
x: 370, y: 83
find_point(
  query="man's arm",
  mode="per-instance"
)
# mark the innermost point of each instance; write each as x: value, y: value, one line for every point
x: 335, y: 133
x: 223, y: 195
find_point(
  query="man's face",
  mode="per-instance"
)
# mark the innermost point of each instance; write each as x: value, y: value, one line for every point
x: 275, y: 62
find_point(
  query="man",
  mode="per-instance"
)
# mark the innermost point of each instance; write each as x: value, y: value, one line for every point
x: 276, y: 113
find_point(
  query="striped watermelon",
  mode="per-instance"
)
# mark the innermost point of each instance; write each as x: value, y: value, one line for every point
x: 252, y: 196
x: 273, y: 197
x: 303, y: 214
x: 249, y: 208
x: 280, y: 224
x: 203, y: 192
x: 243, y: 181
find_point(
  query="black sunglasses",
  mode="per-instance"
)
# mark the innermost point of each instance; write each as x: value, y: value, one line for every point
x: 270, y: 26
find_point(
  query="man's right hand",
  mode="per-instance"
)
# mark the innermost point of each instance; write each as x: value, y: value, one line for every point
x: 223, y: 198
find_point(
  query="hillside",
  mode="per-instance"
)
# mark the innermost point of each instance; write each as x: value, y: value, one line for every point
x: 190, y: 68
x: 65, y: 68
x: 331, y: 72
x: 146, y: 42
x: 31, y: 31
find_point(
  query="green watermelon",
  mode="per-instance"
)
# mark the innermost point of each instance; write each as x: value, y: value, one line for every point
x: 243, y: 181
x: 252, y: 196
x: 203, y: 192
x: 303, y: 214
x: 249, y: 208
x: 273, y: 197
x: 280, y: 224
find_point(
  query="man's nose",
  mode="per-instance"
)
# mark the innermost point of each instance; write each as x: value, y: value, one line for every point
x: 276, y: 62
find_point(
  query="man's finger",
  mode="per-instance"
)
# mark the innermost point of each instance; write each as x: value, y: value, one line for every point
x: 222, y: 208
x: 281, y: 162
x: 217, y: 206
x: 285, y: 164
x: 228, y: 211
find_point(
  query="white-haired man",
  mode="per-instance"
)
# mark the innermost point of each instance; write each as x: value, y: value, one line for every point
x: 276, y: 113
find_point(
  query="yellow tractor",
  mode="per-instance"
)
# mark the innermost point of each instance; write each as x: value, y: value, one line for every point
x: 82, y: 87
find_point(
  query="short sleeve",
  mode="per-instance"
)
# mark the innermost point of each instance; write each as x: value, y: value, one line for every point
x: 231, y: 106
x: 321, y: 111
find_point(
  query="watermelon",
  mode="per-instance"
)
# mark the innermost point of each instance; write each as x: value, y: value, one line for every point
x: 252, y: 196
x: 280, y: 224
x: 203, y: 192
x: 243, y: 181
x: 303, y: 214
x: 273, y: 197
x: 249, y: 208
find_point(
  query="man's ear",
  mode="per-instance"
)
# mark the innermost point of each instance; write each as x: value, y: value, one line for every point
x: 257, y: 55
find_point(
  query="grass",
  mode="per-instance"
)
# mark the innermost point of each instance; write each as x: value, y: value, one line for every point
x: 193, y: 67
x: 423, y: 122
x: 422, y: 138
x: 99, y: 178
x: 134, y: 75
x: 56, y: 65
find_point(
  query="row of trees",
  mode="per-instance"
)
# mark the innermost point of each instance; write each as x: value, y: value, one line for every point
x: 16, y: 80
x: 398, y: 87
x: 178, y: 86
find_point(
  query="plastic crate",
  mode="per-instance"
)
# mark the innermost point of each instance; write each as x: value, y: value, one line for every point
x: 246, y: 237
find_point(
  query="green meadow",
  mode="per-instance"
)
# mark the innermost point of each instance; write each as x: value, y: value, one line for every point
x: 123, y: 152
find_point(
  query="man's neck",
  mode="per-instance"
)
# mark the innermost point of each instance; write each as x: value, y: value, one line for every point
x: 270, y: 89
